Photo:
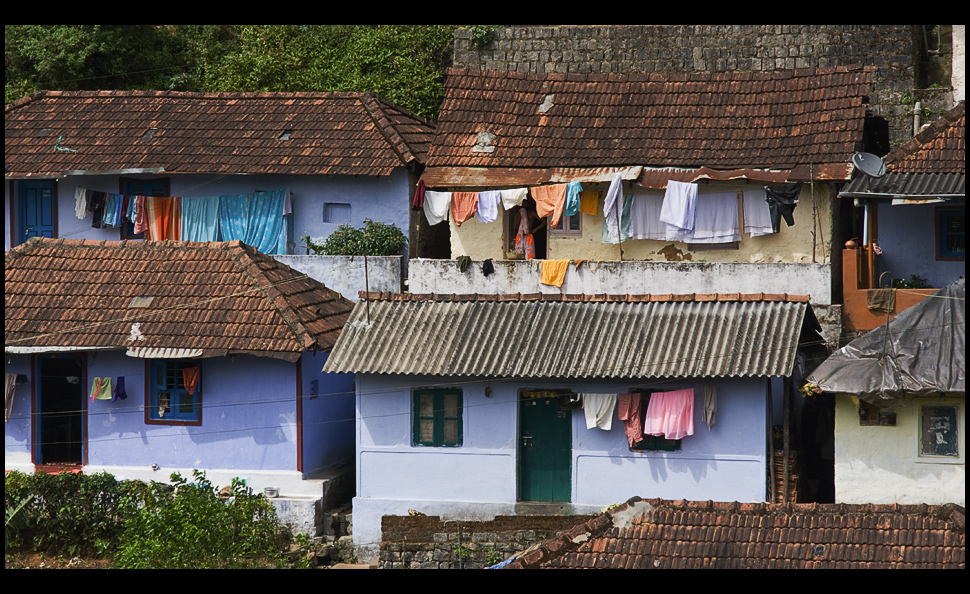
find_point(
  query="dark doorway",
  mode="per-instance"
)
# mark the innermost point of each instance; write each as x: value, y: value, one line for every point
x: 60, y: 410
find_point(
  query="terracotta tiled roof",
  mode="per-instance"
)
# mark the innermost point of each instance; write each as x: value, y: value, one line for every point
x: 218, y: 297
x: 689, y: 120
x: 52, y: 132
x: 940, y: 148
x: 648, y: 534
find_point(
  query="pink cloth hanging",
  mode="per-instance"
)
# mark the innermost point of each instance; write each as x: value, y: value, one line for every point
x: 670, y: 414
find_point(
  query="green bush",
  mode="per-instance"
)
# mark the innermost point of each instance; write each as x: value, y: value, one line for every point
x: 191, y: 527
x: 67, y: 513
x: 374, y: 239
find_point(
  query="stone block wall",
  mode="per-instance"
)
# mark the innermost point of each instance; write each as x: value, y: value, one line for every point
x: 711, y: 48
x: 427, y: 542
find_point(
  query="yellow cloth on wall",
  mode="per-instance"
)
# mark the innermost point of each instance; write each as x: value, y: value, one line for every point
x: 554, y: 272
x: 588, y: 202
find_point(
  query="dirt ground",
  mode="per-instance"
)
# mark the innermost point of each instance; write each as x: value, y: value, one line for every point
x: 37, y: 561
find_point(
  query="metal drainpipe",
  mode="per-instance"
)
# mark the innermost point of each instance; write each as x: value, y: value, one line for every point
x: 917, y: 115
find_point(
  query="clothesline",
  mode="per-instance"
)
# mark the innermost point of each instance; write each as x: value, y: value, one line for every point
x: 681, y: 214
x: 258, y: 219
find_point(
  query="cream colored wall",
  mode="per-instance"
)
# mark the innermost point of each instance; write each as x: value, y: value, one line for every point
x: 875, y: 464
x: 791, y: 244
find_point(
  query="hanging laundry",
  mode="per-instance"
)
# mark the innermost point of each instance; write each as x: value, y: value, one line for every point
x: 190, y: 379
x: 670, y: 414
x: 80, y: 202
x: 463, y: 206
x: 488, y: 205
x: 609, y: 230
x: 611, y: 211
x: 140, y: 216
x: 757, y: 214
x: 10, y: 386
x: 119, y: 391
x: 574, y: 192
x: 782, y: 201
x: 200, y: 219
x: 599, y: 410
x: 418, y: 202
x: 628, y: 406
x: 101, y: 388
x: 436, y: 206
x: 550, y: 201
x: 524, y: 242
x: 161, y: 218
x: 710, y: 405
x: 589, y: 202
x: 257, y: 220
x: 678, y: 211
x: 553, y: 272
x: 645, y: 217
x: 716, y: 219
x: 514, y: 197
x: 487, y: 267
x: 464, y: 262
x: 96, y: 203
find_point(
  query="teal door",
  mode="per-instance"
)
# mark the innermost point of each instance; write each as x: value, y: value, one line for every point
x: 36, y: 214
x: 545, y: 450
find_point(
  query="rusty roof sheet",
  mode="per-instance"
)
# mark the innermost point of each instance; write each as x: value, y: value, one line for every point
x: 53, y: 132
x: 725, y: 121
x: 219, y: 298
x: 657, y: 534
x: 574, y: 336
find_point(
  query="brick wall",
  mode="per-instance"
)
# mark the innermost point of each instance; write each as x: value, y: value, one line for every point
x: 707, y: 48
x: 427, y: 542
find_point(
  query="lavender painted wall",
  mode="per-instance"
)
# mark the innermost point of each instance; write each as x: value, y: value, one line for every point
x: 320, y: 203
x: 249, y: 419
x: 727, y: 463
x: 908, y: 238
x: 328, y: 415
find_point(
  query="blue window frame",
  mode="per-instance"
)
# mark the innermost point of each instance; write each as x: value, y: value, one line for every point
x: 951, y: 233
x: 168, y: 400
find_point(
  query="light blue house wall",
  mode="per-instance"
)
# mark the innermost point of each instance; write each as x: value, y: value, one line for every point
x: 479, y: 479
x: 908, y: 236
x: 320, y: 204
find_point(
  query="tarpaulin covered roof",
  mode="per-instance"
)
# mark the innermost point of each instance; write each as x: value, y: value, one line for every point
x: 921, y: 351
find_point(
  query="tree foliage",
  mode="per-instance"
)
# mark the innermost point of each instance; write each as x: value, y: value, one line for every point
x: 402, y: 63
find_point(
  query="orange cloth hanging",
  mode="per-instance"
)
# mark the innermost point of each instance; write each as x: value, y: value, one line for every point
x: 588, y: 202
x: 190, y: 379
x: 554, y: 272
x: 463, y: 206
x: 550, y: 201
x: 164, y: 216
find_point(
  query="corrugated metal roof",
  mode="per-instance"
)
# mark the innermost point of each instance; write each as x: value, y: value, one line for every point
x: 908, y: 185
x: 509, y: 337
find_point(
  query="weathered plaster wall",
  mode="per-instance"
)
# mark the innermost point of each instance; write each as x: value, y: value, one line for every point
x: 876, y: 464
x: 346, y: 274
x: 478, y: 479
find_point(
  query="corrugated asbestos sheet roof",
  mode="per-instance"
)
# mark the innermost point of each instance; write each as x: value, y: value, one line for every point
x: 54, y: 132
x: 574, y: 336
x: 811, y: 119
x: 217, y: 298
x: 657, y: 534
x: 931, y: 165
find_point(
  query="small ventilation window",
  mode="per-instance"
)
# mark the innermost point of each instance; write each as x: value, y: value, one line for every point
x: 44, y: 132
x: 140, y: 302
x: 148, y: 134
x: 285, y: 135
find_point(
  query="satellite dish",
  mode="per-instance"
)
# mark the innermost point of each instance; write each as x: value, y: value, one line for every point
x: 869, y: 164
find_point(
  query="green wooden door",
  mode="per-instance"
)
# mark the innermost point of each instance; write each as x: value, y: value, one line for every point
x: 545, y: 450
